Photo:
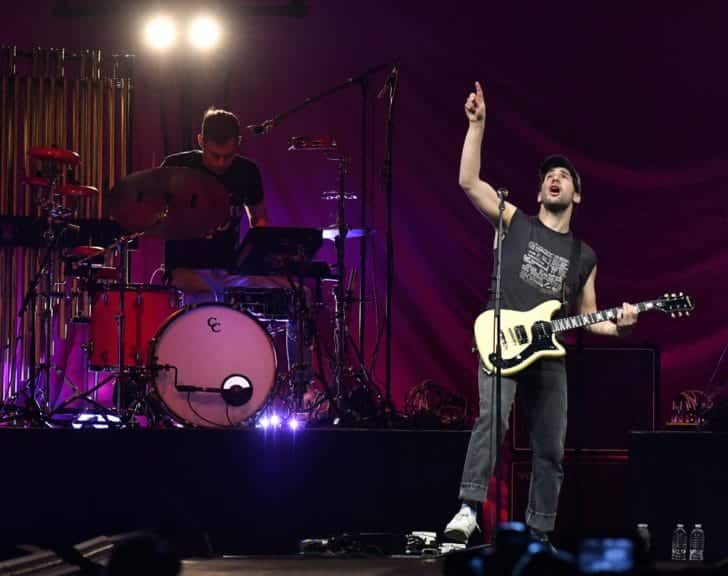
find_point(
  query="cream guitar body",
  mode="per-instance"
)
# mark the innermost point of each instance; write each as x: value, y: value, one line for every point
x: 529, y: 335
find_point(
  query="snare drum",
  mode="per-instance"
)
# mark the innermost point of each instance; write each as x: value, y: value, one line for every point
x: 146, y: 308
x: 215, y: 365
x: 264, y: 303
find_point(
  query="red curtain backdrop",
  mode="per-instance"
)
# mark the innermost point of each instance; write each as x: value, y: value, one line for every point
x: 633, y: 93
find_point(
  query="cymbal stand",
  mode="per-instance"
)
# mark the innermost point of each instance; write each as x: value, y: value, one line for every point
x: 39, y: 369
x: 120, y: 320
x: 342, y: 296
x: 130, y: 375
x: 120, y: 373
x: 300, y: 311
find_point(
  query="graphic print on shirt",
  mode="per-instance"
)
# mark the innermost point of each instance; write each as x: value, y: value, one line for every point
x: 543, y: 269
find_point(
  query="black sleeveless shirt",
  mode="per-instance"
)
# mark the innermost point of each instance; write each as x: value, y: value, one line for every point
x: 535, y: 265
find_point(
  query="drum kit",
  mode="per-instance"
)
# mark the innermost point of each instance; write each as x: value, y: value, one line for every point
x: 204, y: 365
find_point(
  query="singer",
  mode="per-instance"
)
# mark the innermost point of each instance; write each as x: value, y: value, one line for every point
x: 541, y: 260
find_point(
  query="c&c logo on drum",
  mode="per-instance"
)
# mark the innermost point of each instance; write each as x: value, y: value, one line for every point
x: 214, y: 325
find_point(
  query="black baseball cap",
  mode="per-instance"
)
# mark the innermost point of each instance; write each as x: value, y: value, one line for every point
x: 559, y: 161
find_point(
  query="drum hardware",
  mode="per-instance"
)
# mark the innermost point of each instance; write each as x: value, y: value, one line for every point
x: 199, y: 373
x: 287, y: 252
x: 44, y: 285
x: 132, y: 360
x: 344, y: 411
x: 168, y: 203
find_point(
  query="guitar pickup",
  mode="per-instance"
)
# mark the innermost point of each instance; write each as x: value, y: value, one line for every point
x: 521, y: 335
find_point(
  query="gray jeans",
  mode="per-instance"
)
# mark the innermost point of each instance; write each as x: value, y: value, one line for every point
x: 543, y: 388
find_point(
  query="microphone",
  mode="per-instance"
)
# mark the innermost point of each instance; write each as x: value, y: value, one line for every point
x: 502, y: 192
x: 186, y: 388
x: 258, y: 129
x: 236, y: 389
x: 390, y: 81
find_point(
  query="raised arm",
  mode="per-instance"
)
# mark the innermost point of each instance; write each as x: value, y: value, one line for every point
x: 481, y: 194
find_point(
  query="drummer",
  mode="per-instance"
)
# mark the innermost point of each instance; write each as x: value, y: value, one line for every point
x: 219, y: 142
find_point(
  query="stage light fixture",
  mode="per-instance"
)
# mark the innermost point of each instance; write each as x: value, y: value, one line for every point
x: 160, y: 32
x: 204, y: 32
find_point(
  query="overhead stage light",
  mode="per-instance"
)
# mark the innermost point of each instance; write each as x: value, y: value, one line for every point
x: 160, y: 32
x: 204, y: 32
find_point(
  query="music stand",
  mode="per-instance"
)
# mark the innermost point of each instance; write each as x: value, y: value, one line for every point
x: 283, y: 251
x: 270, y: 250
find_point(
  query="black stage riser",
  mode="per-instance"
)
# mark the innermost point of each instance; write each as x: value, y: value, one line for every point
x: 592, y: 500
x: 680, y: 477
x: 250, y: 491
x: 612, y: 390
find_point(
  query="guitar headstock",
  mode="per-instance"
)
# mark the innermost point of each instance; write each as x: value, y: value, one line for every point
x: 676, y: 304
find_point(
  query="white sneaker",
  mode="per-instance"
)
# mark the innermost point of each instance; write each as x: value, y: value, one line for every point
x: 461, y: 527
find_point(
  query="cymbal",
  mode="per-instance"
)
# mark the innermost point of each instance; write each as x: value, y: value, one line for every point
x: 96, y: 273
x: 172, y: 203
x: 332, y: 232
x: 84, y: 251
x: 311, y: 143
x: 37, y: 181
x: 334, y: 195
x: 77, y: 190
x: 55, y: 154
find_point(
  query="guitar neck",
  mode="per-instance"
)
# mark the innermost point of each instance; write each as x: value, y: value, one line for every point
x: 581, y: 320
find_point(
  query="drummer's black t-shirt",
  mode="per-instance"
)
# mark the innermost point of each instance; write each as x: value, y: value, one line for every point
x: 243, y: 183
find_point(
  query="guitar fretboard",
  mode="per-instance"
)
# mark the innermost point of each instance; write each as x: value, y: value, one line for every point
x: 581, y: 320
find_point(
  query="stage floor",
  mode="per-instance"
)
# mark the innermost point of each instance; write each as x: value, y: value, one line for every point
x: 295, y: 566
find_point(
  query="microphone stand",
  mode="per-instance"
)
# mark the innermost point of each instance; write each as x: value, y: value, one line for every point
x: 267, y: 125
x: 361, y: 79
x: 497, y: 356
x: 363, y: 83
x: 391, y: 90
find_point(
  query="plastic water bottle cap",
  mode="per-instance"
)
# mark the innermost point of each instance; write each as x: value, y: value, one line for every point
x: 681, y: 526
x: 698, y: 525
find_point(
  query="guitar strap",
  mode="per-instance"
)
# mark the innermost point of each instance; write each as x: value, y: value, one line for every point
x: 570, y: 280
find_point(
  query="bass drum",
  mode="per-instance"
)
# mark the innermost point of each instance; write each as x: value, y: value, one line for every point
x: 215, y: 366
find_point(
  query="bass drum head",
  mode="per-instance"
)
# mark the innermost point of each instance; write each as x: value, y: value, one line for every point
x: 211, y: 346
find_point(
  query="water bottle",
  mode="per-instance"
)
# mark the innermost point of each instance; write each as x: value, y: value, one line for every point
x: 679, y: 543
x: 643, y: 532
x: 697, y: 543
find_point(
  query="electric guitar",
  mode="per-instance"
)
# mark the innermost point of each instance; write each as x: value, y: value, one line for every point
x: 527, y: 336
